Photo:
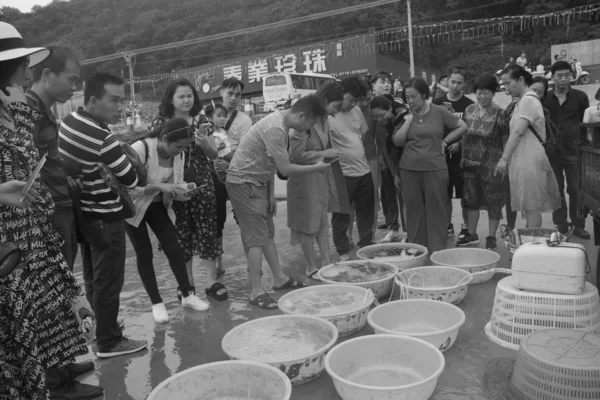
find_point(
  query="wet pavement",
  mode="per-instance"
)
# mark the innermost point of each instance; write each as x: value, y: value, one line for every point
x: 193, y: 338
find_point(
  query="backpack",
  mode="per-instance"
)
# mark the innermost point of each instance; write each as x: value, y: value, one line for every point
x: 554, y: 138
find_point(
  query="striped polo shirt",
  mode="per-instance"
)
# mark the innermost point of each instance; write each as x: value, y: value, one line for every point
x: 85, y: 141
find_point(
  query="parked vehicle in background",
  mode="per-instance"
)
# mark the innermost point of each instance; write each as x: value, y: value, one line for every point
x: 280, y: 87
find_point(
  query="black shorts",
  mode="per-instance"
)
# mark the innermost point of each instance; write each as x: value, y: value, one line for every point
x: 455, y: 183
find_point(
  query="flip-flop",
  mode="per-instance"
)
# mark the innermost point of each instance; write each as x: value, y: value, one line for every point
x: 290, y: 284
x: 217, y: 291
x: 314, y: 275
x: 264, y: 301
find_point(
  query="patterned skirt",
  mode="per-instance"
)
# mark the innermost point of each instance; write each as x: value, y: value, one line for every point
x: 38, y: 329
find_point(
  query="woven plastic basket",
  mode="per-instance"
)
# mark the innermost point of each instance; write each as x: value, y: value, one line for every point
x: 559, y: 364
x: 517, y: 313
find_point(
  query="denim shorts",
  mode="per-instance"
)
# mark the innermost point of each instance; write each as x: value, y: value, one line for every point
x: 251, y: 206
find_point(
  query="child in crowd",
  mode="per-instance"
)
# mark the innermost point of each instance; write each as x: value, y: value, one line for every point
x: 218, y: 115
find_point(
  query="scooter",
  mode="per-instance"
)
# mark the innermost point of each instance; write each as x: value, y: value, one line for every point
x: 584, y: 78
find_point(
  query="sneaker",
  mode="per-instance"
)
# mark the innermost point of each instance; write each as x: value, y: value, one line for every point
x: 180, y: 294
x: 490, y: 243
x: 468, y: 239
x: 382, y: 226
x: 123, y: 347
x: 581, y: 233
x: 160, y: 314
x: 75, y: 390
x: 450, y: 230
x: 121, y: 322
x: 193, y: 301
x: 463, y: 232
x: 392, y: 236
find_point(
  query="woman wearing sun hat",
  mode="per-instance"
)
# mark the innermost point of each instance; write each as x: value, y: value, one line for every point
x: 40, y: 335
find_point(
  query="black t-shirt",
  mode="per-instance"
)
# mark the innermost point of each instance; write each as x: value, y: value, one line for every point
x: 458, y: 107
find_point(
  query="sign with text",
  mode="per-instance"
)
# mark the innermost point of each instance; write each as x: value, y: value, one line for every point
x: 340, y: 59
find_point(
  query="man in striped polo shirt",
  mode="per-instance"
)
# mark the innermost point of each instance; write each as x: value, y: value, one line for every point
x: 86, y: 140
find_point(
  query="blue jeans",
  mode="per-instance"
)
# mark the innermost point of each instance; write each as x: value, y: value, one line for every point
x: 103, y: 255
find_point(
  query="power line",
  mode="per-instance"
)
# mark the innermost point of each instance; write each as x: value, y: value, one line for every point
x: 243, y: 31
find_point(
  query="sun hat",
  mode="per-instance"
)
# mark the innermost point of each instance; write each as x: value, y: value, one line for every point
x: 12, y: 46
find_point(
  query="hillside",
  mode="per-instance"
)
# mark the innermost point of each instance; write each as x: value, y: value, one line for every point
x: 101, y: 27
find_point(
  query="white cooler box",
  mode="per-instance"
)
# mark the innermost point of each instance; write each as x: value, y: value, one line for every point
x: 550, y: 269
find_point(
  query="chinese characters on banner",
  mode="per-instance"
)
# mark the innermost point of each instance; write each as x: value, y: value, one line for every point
x: 314, y: 61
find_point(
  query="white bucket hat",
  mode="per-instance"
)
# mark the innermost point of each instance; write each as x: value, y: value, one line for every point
x: 13, y: 46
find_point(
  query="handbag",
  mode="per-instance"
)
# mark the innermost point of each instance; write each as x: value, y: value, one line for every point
x: 10, y: 255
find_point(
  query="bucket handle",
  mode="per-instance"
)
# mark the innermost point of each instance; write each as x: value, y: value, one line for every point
x: 506, y: 271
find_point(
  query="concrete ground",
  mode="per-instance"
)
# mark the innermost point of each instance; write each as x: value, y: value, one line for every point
x: 194, y: 338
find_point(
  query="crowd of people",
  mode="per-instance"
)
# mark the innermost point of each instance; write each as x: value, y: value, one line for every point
x: 348, y: 150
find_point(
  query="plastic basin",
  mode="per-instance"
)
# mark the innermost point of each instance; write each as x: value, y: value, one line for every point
x: 385, y: 367
x: 294, y: 344
x: 440, y: 283
x: 435, y: 322
x: 344, y: 306
x: 471, y: 260
x: 381, y: 283
x: 402, y: 262
x: 225, y: 380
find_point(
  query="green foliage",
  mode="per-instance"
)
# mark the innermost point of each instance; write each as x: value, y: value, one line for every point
x: 101, y: 27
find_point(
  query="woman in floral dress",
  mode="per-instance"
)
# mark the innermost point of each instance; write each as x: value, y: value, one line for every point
x: 38, y: 328
x: 196, y: 219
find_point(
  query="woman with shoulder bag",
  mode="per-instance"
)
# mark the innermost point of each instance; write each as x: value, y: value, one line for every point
x: 196, y: 219
x: 40, y: 334
x: 164, y: 152
x: 533, y: 185
x: 482, y: 147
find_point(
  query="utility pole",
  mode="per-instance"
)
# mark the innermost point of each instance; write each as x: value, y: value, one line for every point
x: 410, y: 40
x: 129, y: 56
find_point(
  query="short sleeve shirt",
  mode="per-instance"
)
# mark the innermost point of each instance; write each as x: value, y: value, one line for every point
x: 423, y: 148
x: 347, y: 130
x: 530, y: 109
x: 240, y: 125
x: 592, y: 114
x: 254, y: 160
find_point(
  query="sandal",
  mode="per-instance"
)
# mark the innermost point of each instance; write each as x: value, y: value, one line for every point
x: 264, y: 301
x: 314, y: 275
x: 290, y: 284
x: 217, y: 291
x: 220, y: 273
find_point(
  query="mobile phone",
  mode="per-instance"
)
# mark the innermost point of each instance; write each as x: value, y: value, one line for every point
x: 32, y: 177
x: 195, y: 190
x: 331, y: 160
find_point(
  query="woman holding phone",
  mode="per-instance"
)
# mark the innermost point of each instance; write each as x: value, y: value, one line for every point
x: 423, y: 168
x: 164, y: 154
x: 312, y: 196
x: 196, y: 219
x: 40, y: 335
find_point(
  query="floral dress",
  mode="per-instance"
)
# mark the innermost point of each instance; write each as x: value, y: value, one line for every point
x: 38, y: 329
x: 196, y: 219
x: 483, y: 145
